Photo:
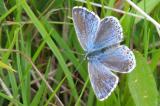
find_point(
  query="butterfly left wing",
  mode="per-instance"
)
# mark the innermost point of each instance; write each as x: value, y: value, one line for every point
x: 86, y: 25
x: 103, y: 81
x: 120, y: 59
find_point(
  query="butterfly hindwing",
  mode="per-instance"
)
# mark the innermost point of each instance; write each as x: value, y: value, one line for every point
x: 120, y: 59
x: 103, y: 81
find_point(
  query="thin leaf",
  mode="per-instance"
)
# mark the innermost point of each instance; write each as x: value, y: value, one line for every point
x: 3, y: 8
x: 3, y: 65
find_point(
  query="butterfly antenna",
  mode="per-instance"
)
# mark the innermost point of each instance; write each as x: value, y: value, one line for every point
x: 81, y: 62
x: 66, y: 50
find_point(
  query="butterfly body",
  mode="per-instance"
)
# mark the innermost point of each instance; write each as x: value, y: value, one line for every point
x: 101, y: 41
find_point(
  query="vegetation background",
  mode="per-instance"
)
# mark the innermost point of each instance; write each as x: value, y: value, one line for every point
x: 38, y: 41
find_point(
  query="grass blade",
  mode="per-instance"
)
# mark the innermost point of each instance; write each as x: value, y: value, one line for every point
x: 3, y: 65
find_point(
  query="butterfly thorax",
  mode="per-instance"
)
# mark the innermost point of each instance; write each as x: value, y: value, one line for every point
x: 93, y: 54
x: 90, y: 55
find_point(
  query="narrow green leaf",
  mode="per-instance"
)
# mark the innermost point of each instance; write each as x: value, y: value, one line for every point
x: 3, y: 8
x: 53, y: 93
x: 91, y: 97
x: 79, y: 98
x: 2, y: 95
x: 3, y: 65
x: 155, y: 59
x: 37, y: 98
x: 4, y: 15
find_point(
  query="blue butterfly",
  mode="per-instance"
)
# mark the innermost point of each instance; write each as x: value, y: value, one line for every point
x: 101, y: 39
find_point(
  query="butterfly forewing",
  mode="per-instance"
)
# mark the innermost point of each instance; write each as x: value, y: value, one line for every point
x: 109, y: 33
x: 120, y: 59
x: 103, y: 81
x: 86, y: 24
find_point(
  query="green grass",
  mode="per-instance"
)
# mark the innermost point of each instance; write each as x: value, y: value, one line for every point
x: 38, y: 41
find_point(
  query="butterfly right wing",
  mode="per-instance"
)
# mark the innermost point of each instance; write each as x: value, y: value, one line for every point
x: 109, y: 33
x: 86, y: 25
x: 119, y: 59
x: 103, y: 81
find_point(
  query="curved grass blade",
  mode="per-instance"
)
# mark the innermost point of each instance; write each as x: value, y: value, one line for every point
x: 53, y: 94
x: 85, y: 85
x: 3, y: 65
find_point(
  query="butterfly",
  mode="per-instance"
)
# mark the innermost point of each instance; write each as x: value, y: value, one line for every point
x: 100, y: 39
